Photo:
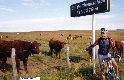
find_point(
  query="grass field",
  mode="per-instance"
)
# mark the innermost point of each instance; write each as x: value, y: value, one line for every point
x: 48, y: 68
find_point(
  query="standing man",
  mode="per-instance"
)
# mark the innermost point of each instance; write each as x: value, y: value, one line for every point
x: 104, y: 43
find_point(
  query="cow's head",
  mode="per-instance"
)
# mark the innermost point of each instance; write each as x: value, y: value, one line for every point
x: 61, y: 44
x: 35, y: 47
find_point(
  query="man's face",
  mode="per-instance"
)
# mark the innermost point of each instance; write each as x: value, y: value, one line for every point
x: 103, y: 34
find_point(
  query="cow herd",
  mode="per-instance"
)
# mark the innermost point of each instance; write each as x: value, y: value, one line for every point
x: 25, y: 48
x: 73, y: 37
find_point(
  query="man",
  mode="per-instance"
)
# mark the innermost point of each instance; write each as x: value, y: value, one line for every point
x: 104, y: 43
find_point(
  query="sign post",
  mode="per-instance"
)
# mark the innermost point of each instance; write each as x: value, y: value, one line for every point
x: 90, y: 7
x: 93, y: 34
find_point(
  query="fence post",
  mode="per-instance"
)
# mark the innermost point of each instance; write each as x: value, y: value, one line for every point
x: 67, y: 56
x: 123, y: 51
x: 13, y: 64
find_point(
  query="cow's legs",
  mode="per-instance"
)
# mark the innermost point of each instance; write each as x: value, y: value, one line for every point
x: 121, y: 52
x: 90, y: 59
x: 59, y: 55
x: 51, y: 50
x: 56, y: 54
x: 25, y: 65
x: 4, y: 63
x: 18, y: 65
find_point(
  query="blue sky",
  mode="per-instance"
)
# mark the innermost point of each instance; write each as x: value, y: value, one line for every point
x: 42, y: 15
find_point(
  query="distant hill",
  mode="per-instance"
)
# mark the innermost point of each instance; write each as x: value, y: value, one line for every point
x: 120, y: 29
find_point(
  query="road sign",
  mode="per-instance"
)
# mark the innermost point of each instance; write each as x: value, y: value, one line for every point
x: 90, y: 7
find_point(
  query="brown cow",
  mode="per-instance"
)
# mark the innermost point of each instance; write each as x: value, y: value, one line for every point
x: 23, y: 50
x: 119, y: 46
x: 1, y: 36
x: 80, y: 36
x: 57, y: 46
x: 90, y: 54
x: 69, y: 37
x: 6, y: 36
x: 61, y: 34
x: 75, y: 37
x: 5, y: 51
x: 40, y: 34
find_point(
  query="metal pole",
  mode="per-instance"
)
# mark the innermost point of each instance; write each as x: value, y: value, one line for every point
x: 14, y: 64
x: 93, y: 33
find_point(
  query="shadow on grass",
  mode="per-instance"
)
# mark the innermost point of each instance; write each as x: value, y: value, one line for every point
x: 39, y: 59
x: 65, y: 73
x: 87, y: 73
x: 76, y: 59
x: 8, y: 67
x: 59, y: 68
x: 48, y: 53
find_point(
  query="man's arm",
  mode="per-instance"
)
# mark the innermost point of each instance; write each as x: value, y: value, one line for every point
x: 91, y: 46
x: 113, y: 46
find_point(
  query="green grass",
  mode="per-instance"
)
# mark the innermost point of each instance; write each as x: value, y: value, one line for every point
x: 47, y: 67
x: 86, y: 72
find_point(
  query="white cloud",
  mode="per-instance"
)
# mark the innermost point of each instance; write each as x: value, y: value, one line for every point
x: 122, y: 18
x: 34, y: 3
x: 27, y: 0
x: 60, y: 23
x: 6, y: 9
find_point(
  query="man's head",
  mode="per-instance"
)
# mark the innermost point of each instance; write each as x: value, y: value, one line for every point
x: 103, y: 33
